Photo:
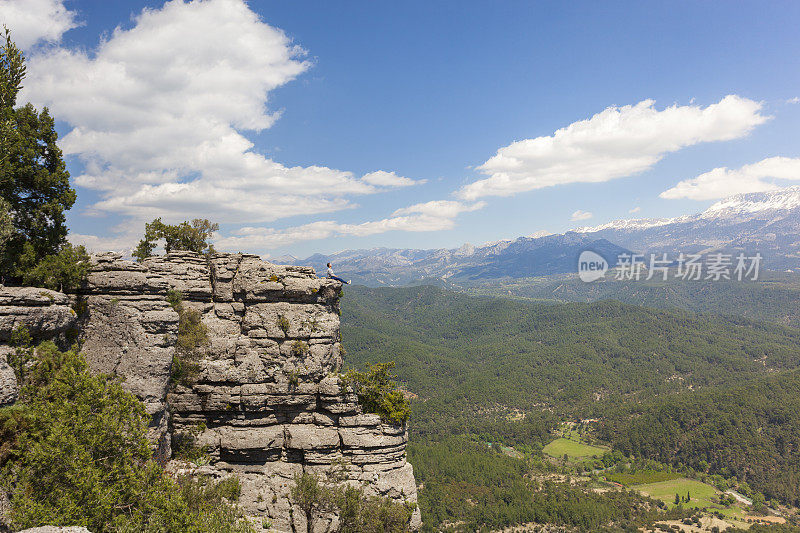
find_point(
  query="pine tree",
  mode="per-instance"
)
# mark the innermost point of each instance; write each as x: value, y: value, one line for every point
x: 34, y: 182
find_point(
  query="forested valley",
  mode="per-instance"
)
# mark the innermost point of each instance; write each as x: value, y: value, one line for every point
x: 663, y: 394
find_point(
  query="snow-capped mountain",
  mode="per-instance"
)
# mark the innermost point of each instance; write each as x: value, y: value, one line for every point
x: 767, y: 222
x: 779, y: 202
x: 760, y: 205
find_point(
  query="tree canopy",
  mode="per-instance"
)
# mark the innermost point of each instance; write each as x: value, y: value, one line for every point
x: 192, y: 236
x: 34, y: 182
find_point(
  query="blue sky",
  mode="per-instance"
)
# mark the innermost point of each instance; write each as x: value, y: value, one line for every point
x: 429, y: 91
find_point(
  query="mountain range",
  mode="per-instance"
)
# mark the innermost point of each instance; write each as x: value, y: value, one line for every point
x: 767, y: 223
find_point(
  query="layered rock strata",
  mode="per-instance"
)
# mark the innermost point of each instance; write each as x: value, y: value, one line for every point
x: 45, y: 314
x: 266, y: 403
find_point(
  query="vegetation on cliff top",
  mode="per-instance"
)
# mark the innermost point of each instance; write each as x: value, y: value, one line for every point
x: 191, y: 236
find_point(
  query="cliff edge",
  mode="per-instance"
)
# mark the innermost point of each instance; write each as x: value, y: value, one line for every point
x: 266, y: 402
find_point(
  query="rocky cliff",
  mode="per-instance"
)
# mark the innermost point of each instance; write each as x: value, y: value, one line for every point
x: 266, y: 403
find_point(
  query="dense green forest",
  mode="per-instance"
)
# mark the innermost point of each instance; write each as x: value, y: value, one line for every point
x: 464, y: 355
x: 750, y: 431
x: 775, y: 298
x: 467, y: 483
x: 671, y: 385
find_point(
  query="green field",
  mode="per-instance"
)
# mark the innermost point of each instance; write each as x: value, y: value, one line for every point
x: 642, y: 477
x: 573, y: 450
x: 701, y: 494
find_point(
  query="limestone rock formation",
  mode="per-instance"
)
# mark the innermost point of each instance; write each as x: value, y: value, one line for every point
x: 47, y: 315
x: 8, y: 380
x: 129, y: 330
x: 267, y: 403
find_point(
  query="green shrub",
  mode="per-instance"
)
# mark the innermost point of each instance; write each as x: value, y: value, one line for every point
x: 64, y: 270
x: 192, y: 336
x: 175, y: 299
x: 74, y: 452
x: 299, y: 348
x: 357, y: 512
x: 229, y: 488
x: 378, y: 393
x: 283, y: 324
x: 361, y: 514
x: 185, y: 447
x: 22, y: 356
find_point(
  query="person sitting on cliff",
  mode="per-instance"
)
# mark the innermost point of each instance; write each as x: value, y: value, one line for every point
x: 332, y: 276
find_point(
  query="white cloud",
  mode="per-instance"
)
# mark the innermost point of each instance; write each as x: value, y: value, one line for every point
x: 795, y: 100
x: 617, y: 142
x: 122, y: 242
x: 382, y: 178
x: 31, y: 21
x: 581, y: 215
x: 440, y: 208
x: 430, y: 216
x: 635, y: 209
x: 722, y: 182
x: 159, y: 113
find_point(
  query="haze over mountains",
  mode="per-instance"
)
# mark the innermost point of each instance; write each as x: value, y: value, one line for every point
x: 766, y: 222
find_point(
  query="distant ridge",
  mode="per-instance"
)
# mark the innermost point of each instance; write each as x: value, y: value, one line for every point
x: 767, y: 222
x: 522, y: 257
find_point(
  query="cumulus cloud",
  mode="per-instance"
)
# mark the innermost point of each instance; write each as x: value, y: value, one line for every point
x: 160, y: 111
x: 721, y: 182
x: 581, y: 215
x: 794, y: 100
x: 617, y: 142
x: 430, y: 216
x: 440, y: 208
x: 122, y: 242
x: 32, y: 21
x: 382, y: 178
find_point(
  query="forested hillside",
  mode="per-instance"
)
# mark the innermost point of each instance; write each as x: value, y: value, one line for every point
x: 462, y: 354
x: 750, y: 431
x: 776, y: 298
x: 696, y: 392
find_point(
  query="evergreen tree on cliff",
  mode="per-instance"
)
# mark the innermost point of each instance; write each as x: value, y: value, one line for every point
x: 34, y: 188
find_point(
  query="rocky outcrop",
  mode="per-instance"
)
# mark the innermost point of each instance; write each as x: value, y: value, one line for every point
x: 266, y: 404
x: 129, y: 329
x: 47, y: 315
x: 8, y: 381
